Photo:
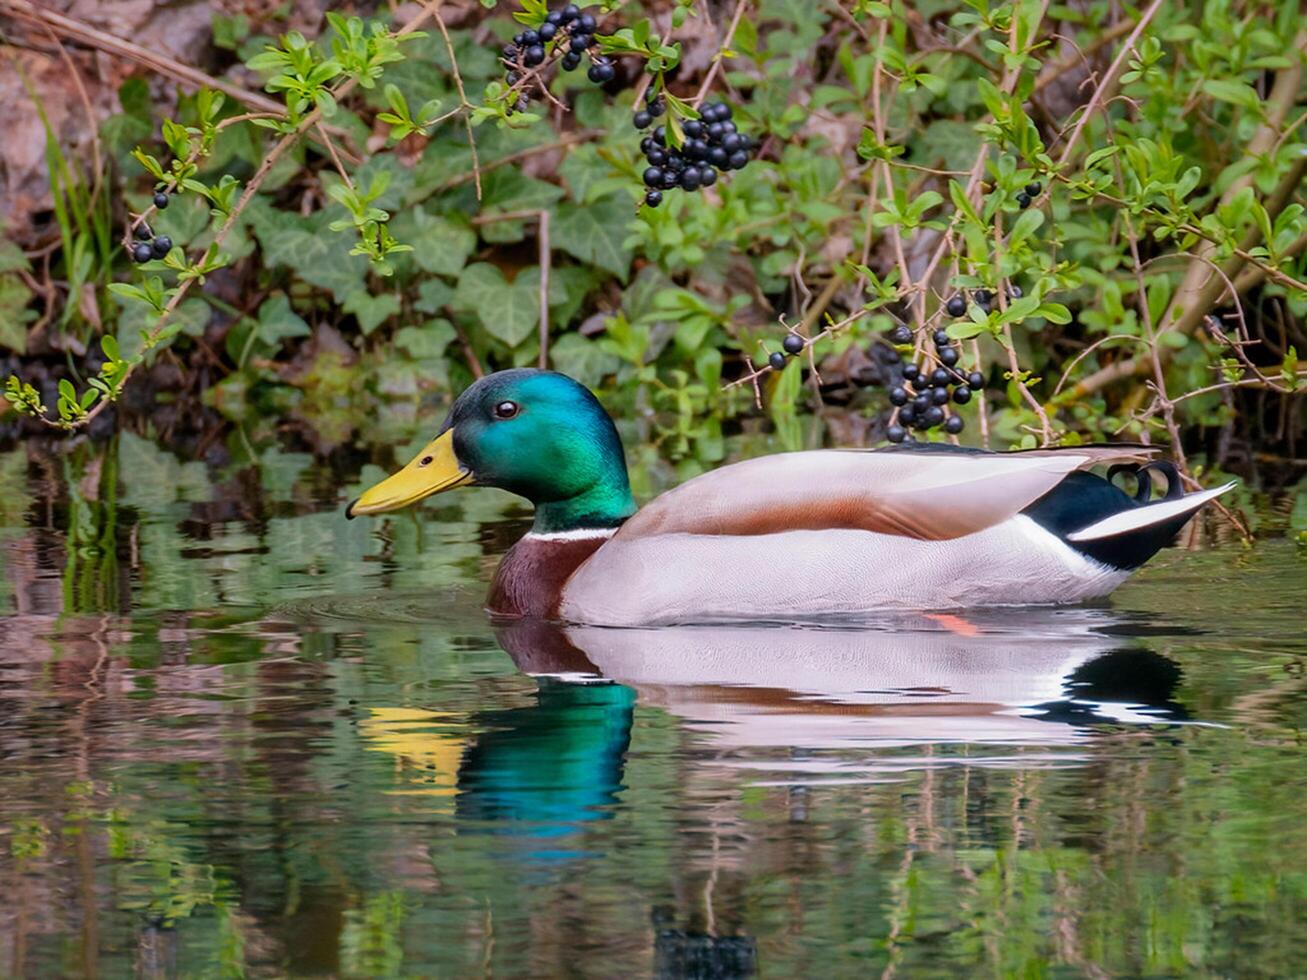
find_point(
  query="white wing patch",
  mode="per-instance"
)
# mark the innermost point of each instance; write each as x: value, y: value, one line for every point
x: 1146, y: 516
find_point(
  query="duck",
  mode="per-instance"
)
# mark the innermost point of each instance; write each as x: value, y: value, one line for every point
x: 797, y: 536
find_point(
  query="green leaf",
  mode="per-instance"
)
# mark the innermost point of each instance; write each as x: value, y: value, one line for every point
x: 585, y: 360
x: 371, y: 311
x: 1054, y: 313
x: 277, y: 321
x: 1030, y: 221
x: 14, y: 314
x: 1236, y: 93
x: 509, y: 312
x: 596, y: 233
x: 440, y: 245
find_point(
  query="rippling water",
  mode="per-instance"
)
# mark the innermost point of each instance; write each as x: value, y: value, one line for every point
x: 241, y: 735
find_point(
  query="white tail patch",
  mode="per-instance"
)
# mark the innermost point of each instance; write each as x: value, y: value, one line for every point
x: 1146, y: 516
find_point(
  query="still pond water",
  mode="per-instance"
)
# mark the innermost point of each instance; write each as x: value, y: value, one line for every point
x: 243, y: 736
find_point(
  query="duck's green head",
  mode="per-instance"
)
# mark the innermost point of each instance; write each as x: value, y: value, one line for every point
x: 534, y: 433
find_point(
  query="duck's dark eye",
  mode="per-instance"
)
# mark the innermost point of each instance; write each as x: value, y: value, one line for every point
x: 426, y: 461
x: 506, y: 410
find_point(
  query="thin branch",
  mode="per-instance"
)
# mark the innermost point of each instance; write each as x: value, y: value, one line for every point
x: 434, y: 11
x: 1108, y: 81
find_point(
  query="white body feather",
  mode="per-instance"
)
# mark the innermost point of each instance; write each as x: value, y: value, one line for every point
x: 671, y: 578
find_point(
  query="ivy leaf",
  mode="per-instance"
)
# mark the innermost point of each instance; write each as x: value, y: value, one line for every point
x: 14, y: 315
x: 585, y: 360
x: 278, y: 322
x: 508, y: 311
x: 596, y: 233
x: 371, y: 311
x: 439, y: 244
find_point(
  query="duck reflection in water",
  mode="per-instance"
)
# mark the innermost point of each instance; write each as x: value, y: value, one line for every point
x: 809, y: 704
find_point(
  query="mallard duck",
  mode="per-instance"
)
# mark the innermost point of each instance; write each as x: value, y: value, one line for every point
x: 801, y: 535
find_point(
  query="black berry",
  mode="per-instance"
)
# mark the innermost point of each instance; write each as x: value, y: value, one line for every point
x: 601, y: 72
x: 512, y: 78
x: 554, y: 17
x: 777, y: 361
x: 693, y: 128
x: 162, y: 246
x: 160, y: 200
x: 934, y: 416
x: 984, y: 297
x: 941, y: 338
x: 655, y: 105
x: 579, y: 43
x: 653, y: 177
x: 708, y: 176
x: 571, y: 61
x: 948, y: 356
x: 976, y: 380
x: 962, y: 394
x: 939, y: 378
x: 653, y: 198
x: 533, y: 55
x: 569, y: 13
x: 142, y: 252
x: 1023, y: 200
x: 656, y: 156
x: 142, y: 232
x: 793, y: 344
x: 642, y: 120
x: 529, y: 37
x: 898, y: 396
x: 547, y: 31
x: 1015, y: 292
x: 907, y: 414
x: 738, y: 160
x: 957, y: 305
x: 1034, y: 189
x: 586, y: 24
x: 691, y: 178
x: 901, y: 334
x: 922, y: 402
x: 895, y: 433
x: 954, y: 425
x: 510, y: 52
x: 940, y: 396
x: 911, y: 371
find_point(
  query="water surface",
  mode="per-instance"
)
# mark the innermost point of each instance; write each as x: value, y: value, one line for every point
x: 243, y: 736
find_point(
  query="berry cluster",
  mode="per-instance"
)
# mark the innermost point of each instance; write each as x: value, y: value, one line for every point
x: 984, y: 298
x: 149, y: 245
x: 711, y: 143
x: 1032, y: 191
x: 793, y: 345
x: 566, y: 30
x: 923, y: 398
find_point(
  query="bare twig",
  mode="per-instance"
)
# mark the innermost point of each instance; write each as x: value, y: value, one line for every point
x: 716, y: 67
x: 433, y: 9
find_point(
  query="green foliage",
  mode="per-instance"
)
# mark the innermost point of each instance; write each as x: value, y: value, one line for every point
x: 391, y: 204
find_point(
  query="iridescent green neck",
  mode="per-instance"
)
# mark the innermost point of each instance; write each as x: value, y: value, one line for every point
x: 606, y: 504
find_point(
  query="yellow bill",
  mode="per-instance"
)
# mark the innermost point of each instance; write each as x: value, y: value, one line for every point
x: 433, y: 470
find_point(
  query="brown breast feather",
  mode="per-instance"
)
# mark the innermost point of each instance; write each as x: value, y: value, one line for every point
x: 928, y: 496
x: 530, y: 578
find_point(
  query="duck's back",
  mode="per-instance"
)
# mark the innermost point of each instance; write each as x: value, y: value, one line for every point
x: 835, y: 533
